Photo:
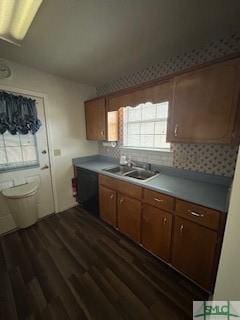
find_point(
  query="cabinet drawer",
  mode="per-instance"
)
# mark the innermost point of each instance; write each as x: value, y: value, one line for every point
x: 108, y: 182
x: 158, y: 199
x: 129, y: 189
x: 196, y: 213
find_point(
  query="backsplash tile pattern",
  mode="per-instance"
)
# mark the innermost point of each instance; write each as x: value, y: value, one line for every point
x: 211, y: 159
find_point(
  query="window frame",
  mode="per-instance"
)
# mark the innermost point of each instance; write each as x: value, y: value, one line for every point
x: 4, y: 168
x: 154, y: 120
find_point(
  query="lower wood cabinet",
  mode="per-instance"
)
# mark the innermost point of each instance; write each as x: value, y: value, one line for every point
x: 185, y: 235
x: 129, y: 217
x: 157, y: 231
x: 108, y: 206
x: 194, y: 251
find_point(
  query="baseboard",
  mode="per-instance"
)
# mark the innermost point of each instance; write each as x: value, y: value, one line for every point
x: 7, y: 224
x: 69, y: 206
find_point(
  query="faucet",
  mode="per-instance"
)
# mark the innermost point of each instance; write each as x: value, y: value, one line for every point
x: 148, y: 166
x: 131, y: 163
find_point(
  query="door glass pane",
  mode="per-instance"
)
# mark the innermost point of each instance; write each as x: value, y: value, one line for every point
x: 14, y: 154
x: 27, y: 140
x: 11, y: 140
x: 29, y: 153
x: 3, y: 159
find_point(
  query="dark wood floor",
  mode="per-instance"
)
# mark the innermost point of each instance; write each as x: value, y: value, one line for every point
x: 73, y: 266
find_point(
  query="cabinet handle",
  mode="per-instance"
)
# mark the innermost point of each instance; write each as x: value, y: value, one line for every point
x: 102, y: 133
x: 121, y: 201
x: 164, y: 220
x: 176, y: 130
x: 193, y: 213
x: 181, y: 228
x: 158, y: 200
x: 111, y: 196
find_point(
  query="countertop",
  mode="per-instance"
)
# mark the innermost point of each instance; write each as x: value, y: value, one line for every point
x: 202, y: 189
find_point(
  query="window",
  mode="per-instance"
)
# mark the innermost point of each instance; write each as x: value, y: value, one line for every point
x: 145, y: 126
x: 17, y: 151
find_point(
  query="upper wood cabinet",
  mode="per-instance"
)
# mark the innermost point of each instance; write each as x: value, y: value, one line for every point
x: 100, y: 124
x: 95, y: 119
x: 204, y: 105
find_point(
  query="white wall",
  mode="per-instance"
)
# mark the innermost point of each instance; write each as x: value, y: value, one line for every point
x: 228, y: 277
x: 65, y: 118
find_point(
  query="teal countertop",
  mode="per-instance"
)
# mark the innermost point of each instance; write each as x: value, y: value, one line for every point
x: 206, y: 190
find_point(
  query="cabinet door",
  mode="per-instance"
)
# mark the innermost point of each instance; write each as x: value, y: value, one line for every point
x: 194, y: 250
x: 129, y: 217
x: 204, y: 105
x: 156, y: 231
x: 95, y: 119
x: 108, y: 205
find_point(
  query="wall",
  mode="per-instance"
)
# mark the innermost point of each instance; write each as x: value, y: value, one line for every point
x: 228, y: 283
x: 66, y: 121
x: 212, y: 159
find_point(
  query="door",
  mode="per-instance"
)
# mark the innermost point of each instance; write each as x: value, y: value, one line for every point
x: 129, y: 217
x: 108, y: 205
x: 95, y: 119
x: 27, y: 148
x: 204, y: 105
x: 194, y: 249
x: 156, y: 231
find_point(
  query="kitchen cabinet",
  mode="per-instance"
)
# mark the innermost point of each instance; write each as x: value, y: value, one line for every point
x: 157, y: 231
x: 108, y: 208
x: 100, y: 124
x: 194, y: 251
x: 187, y: 236
x: 95, y: 119
x: 129, y: 217
x: 204, y: 105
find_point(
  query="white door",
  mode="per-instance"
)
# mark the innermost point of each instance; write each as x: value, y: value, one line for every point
x: 26, y: 150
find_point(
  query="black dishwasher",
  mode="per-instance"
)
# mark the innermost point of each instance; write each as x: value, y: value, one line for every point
x: 87, y: 190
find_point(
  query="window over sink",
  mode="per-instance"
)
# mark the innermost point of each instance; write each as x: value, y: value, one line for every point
x: 145, y: 126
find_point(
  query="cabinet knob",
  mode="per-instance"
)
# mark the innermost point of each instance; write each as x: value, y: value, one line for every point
x: 164, y: 220
x: 111, y: 196
x: 121, y: 200
x: 176, y: 130
x: 102, y: 133
x: 181, y: 228
x: 158, y: 200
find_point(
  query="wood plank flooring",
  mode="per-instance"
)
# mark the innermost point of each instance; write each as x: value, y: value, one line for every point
x: 73, y: 266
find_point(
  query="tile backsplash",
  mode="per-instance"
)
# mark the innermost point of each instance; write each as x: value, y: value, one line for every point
x: 212, y: 159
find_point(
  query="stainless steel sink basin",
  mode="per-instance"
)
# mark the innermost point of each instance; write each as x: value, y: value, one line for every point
x: 120, y: 170
x: 134, y: 172
x: 141, y: 174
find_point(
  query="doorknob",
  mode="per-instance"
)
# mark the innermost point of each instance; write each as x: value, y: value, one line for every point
x: 44, y: 151
x: 45, y: 167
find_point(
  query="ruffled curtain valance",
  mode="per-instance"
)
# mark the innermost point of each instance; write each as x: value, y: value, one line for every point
x: 18, y: 114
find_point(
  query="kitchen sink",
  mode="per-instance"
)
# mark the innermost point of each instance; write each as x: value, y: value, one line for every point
x: 134, y: 172
x: 141, y: 174
x: 120, y: 170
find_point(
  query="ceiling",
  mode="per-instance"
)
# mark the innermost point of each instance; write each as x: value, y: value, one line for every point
x: 96, y: 41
